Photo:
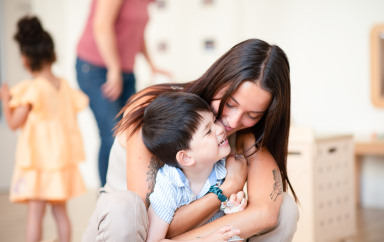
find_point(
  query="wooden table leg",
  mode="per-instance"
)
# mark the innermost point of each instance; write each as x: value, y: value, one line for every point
x: 358, y: 160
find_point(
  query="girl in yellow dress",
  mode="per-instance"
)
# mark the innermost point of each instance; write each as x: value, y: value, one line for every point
x: 49, y: 146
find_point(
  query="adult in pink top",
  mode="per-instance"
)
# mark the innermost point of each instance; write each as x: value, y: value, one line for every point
x: 113, y: 35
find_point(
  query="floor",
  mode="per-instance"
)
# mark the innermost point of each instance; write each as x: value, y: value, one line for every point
x: 13, y: 218
x: 370, y: 222
x: 370, y: 225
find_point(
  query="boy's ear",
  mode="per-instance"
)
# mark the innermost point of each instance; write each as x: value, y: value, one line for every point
x: 184, y: 158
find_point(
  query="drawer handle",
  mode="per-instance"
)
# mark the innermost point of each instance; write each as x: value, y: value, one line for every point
x: 332, y: 150
x: 294, y: 153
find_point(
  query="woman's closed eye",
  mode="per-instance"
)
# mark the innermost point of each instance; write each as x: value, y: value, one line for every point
x: 253, y: 116
x: 229, y: 105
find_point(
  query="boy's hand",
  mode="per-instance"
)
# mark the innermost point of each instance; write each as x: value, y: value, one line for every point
x: 238, y: 200
x: 236, y: 175
x: 223, y: 234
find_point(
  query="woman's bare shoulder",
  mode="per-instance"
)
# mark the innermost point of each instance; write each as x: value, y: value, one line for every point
x: 246, y: 143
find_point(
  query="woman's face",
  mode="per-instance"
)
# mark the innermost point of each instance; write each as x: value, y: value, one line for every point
x: 244, y: 108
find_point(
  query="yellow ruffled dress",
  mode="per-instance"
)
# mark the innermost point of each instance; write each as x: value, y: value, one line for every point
x: 50, y: 145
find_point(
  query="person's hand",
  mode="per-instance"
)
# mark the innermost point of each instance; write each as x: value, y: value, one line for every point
x: 236, y: 174
x: 237, y: 198
x: 161, y: 76
x: 5, y: 95
x: 222, y: 234
x: 113, y: 87
x: 157, y: 71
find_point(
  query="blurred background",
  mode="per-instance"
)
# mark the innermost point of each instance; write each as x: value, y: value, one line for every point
x: 327, y: 42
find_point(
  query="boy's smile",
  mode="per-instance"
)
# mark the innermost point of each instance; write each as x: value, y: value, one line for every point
x: 209, y: 143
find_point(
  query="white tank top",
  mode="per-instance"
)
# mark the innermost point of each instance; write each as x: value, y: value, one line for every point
x: 117, y: 167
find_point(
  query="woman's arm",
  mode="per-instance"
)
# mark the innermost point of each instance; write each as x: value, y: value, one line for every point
x: 144, y: 51
x: 222, y: 235
x: 264, y: 198
x: 201, y: 210
x: 15, y: 116
x: 142, y: 167
x: 154, y: 69
x: 106, y: 13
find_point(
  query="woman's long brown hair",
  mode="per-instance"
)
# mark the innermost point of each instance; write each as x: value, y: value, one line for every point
x: 252, y: 60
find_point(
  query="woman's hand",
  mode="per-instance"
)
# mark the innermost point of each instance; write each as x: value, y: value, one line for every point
x: 236, y: 175
x: 113, y: 87
x: 223, y: 234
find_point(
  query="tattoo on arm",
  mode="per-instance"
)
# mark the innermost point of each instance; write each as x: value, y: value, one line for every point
x: 277, y: 186
x: 154, y: 166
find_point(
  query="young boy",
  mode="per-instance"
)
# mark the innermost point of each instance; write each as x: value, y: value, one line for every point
x: 181, y: 131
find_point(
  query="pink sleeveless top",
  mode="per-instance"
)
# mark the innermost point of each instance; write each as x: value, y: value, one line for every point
x: 129, y: 29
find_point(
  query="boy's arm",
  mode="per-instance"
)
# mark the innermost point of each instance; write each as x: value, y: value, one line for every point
x: 157, y: 226
x: 15, y: 116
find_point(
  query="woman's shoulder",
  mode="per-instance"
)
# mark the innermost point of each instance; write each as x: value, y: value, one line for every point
x: 245, y: 143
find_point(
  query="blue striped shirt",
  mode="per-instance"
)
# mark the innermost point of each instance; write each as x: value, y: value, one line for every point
x: 172, y: 190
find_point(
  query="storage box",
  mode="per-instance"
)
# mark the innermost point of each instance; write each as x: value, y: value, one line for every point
x: 321, y: 170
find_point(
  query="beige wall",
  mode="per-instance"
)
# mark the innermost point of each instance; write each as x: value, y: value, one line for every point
x: 11, y: 73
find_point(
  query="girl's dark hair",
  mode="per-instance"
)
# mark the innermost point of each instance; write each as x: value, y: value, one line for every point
x: 252, y: 60
x: 169, y: 123
x: 34, y: 42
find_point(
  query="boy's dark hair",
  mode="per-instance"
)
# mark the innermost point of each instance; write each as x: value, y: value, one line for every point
x: 34, y: 42
x: 169, y: 123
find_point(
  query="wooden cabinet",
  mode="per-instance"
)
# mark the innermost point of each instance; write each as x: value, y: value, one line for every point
x: 321, y: 170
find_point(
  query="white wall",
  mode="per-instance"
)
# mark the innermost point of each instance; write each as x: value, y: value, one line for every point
x: 11, y: 73
x: 327, y: 43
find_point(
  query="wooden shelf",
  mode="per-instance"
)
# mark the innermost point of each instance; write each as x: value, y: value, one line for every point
x: 372, y: 147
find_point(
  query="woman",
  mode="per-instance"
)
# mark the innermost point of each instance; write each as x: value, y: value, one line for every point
x: 106, y: 52
x: 249, y: 90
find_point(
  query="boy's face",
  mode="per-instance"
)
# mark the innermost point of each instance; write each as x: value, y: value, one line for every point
x: 209, y: 143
